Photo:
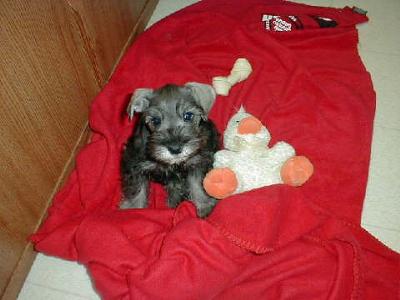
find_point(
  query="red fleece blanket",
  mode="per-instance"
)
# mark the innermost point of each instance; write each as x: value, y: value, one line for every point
x: 311, y: 89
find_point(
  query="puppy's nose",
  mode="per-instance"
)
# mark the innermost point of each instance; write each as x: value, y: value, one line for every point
x: 175, y: 149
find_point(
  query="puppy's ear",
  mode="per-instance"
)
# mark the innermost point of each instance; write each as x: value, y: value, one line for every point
x: 204, y: 95
x: 139, y: 101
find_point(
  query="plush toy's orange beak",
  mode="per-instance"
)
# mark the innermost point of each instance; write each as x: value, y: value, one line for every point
x: 249, y: 125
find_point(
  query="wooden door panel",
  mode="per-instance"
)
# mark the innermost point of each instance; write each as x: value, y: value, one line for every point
x: 55, y: 57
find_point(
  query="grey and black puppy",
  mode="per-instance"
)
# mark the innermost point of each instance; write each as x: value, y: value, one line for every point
x: 173, y: 143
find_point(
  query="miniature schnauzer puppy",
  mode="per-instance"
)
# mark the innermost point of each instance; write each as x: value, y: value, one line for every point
x: 173, y: 143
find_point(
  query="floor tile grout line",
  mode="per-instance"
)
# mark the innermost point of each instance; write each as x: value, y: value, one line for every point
x: 367, y: 50
x: 61, y: 290
x: 380, y: 227
x: 377, y: 124
x: 80, y: 281
x: 362, y: 50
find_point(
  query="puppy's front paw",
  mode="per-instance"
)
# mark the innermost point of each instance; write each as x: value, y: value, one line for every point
x: 136, y: 202
x: 126, y: 204
x: 173, y: 201
x: 205, y: 207
x: 134, y: 196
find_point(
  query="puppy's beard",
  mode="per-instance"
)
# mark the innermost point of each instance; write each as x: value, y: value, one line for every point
x: 162, y: 154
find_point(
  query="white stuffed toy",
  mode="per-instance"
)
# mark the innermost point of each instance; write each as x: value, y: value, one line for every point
x: 247, y: 163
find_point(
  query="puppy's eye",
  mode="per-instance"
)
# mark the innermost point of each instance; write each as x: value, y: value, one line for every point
x: 188, y: 116
x: 155, y: 121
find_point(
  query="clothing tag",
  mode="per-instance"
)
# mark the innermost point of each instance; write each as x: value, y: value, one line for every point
x: 281, y: 23
x: 359, y: 10
x: 289, y: 23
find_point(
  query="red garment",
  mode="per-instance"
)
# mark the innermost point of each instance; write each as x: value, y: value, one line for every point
x: 311, y: 89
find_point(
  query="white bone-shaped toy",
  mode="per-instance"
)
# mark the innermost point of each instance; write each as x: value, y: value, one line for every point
x: 240, y: 71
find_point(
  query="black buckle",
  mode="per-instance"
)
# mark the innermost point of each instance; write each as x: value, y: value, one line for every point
x: 359, y: 10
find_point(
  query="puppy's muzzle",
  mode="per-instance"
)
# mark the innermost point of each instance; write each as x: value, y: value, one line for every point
x: 175, y: 149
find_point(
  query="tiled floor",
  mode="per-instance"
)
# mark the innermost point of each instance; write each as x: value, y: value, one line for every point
x: 52, y: 278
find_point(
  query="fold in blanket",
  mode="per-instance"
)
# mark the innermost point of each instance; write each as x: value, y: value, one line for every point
x: 311, y: 89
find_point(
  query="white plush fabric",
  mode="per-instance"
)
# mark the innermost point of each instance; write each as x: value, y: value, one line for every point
x: 249, y: 157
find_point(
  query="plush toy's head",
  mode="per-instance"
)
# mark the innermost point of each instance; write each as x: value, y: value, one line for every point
x: 244, y: 131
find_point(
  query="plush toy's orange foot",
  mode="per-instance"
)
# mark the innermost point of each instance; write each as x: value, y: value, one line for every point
x: 220, y: 183
x: 296, y: 170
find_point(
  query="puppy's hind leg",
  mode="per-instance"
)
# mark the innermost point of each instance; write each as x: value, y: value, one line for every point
x: 135, y: 189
